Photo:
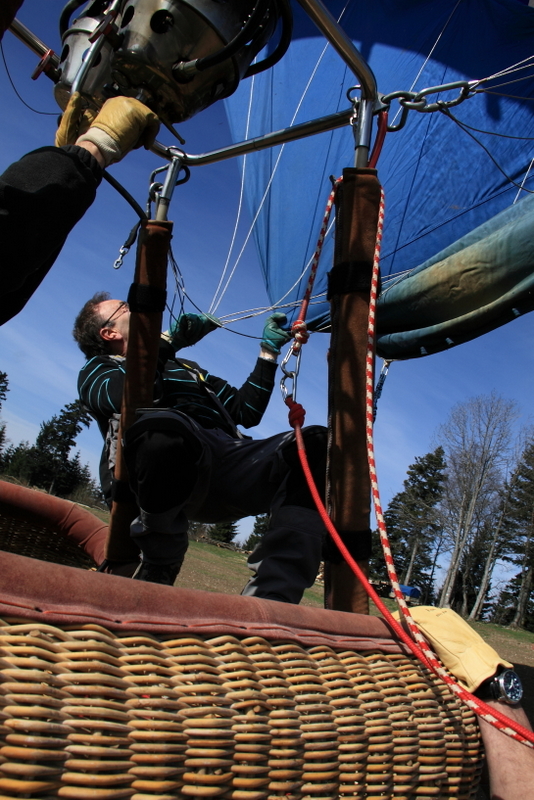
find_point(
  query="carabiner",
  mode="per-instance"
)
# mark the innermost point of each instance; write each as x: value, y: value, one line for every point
x: 291, y: 375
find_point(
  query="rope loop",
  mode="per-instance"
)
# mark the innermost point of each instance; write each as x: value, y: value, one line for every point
x: 300, y: 332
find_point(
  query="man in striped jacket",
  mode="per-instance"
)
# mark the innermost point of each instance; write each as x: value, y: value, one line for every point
x: 187, y: 459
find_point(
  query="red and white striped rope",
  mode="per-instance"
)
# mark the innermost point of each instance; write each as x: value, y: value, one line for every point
x: 429, y: 658
x: 418, y: 644
x: 299, y: 328
x: 369, y: 399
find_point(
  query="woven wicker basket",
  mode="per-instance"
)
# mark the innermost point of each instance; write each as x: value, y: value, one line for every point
x: 39, y: 525
x: 164, y: 693
x: 248, y: 719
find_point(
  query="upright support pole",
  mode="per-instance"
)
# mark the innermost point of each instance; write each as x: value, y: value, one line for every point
x: 349, y: 497
x: 147, y: 303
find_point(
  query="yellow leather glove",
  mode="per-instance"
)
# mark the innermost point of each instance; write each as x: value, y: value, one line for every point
x: 76, y: 120
x: 465, y: 654
x: 122, y: 124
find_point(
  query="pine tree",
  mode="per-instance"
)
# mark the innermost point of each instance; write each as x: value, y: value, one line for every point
x: 261, y: 524
x: 223, y: 531
x: 377, y: 564
x: 58, y: 435
x: 4, y: 387
x: 16, y: 461
x: 519, y: 523
x: 46, y: 464
x: 413, y: 524
x: 504, y: 609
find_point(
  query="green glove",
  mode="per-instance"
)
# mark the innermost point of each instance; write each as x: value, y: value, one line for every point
x: 190, y: 328
x: 274, y: 337
x: 465, y: 654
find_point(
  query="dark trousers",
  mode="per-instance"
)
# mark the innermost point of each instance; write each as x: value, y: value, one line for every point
x: 180, y: 471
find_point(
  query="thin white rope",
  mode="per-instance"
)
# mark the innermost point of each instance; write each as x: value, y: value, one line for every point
x: 399, y: 276
x: 505, y: 83
x: 276, y: 164
x: 429, y: 56
x: 250, y: 312
x: 525, y: 63
x: 304, y: 271
x: 269, y: 184
x: 256, y: 312
x: 240, y: 204
x: 527, y: 173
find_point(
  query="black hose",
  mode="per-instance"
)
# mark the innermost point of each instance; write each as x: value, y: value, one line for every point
x: 245, y: 35
x: 126, y: 194
x: 283, y: 44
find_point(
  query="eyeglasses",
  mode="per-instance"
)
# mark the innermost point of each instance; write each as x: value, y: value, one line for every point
x: 115, y: 314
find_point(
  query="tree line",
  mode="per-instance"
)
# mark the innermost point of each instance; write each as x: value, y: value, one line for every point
x: 465, y: 508
x: 48, y: 463
x: 227, y: 531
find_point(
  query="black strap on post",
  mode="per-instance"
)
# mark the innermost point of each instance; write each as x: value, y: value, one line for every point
x: 146, y: 299
x: 358, y: 543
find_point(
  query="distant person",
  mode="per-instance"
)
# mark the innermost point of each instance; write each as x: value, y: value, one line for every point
x: 46, y: 193
x: 187, y: 459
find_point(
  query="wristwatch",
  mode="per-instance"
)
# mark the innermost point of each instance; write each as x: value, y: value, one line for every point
x: 505, y: 686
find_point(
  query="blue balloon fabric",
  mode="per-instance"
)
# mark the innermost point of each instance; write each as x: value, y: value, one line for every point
x: 439, y: 182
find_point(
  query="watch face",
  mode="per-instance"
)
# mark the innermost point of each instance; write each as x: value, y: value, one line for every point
x: 511, y: 687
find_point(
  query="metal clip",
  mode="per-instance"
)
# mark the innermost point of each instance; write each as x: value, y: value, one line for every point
x: 123, y: 251
x: 291, y: 375
x: 355, y: 101
x: 380, y: 385
x: 153, y: 192
x: 402, y: 97
x: 419, y: 103
x: 416, y: 101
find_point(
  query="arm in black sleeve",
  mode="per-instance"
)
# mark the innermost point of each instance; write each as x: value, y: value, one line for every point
x: 247, y: 405
x: 42, y: 197
x: 101, y: 384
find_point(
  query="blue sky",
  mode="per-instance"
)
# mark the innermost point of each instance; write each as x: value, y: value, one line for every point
x: 42, y: 361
